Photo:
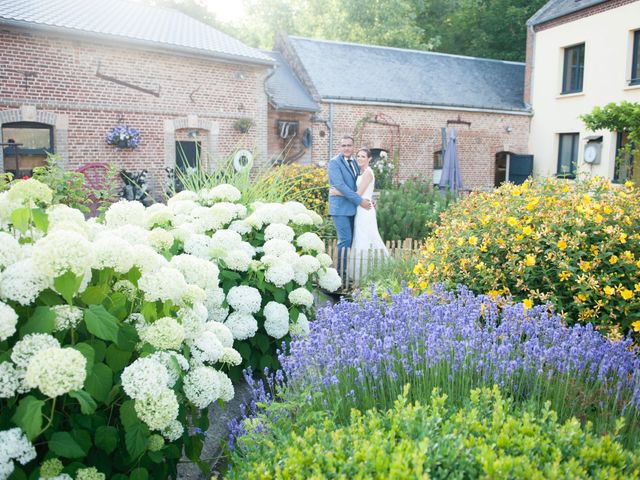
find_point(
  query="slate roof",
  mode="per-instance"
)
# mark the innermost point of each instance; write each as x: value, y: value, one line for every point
x: 559, y: 8
x: 130, y: 22
x: 347, y: 71
x: 285, y: 90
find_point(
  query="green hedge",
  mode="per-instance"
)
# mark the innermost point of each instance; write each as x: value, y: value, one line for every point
x: 487, y: 438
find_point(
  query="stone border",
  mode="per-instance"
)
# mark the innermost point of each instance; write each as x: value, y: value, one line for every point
x: 193, y: 122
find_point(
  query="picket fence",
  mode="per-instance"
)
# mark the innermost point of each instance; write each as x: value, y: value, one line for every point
x: 358, y: 264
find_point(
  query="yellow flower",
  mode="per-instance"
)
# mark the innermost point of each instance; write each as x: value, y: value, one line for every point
x: 527, y: 230
x: 564, y: 276
x: 636, y: 326
x: 598, y: 218
x: 527, y: 303
x: 628, y: 256
x: 608, y: 291
x: 410, y: 285
x: 628, y: 184
x: 585, y: 266
x: 607, y: 209
x: 613, y: 260
x: 623, y: 238
x: 626, y: 293
x: 530, y: 260
x: 512, y: 222
x: 431, y: 267
x: 636, y: 287
x: 582, y: 297
x: 473, y: 240
x: 516, y: 192
x: 418, y: 269
x: 562, y: 245
x: 423, y: 285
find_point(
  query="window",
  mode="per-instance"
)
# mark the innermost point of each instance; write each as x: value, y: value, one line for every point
x: 573, y: 69
x: 627, y: 166
x: 437, y: 167
x: 635, y: 59
x: 25, y: 146
x: 567, y: 155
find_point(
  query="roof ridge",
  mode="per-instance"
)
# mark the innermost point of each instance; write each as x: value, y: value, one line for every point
x: 424, y: 52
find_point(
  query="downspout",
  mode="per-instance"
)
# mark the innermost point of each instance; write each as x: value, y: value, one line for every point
x: 329, y: 124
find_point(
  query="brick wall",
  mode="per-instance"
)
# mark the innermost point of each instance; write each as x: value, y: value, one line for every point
x: 290, y: 149
x: 417, y: 137
x: 60, y: 77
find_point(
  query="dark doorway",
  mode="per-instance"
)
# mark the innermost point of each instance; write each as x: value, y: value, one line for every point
x: 187, y: 155
x: 501, y: 168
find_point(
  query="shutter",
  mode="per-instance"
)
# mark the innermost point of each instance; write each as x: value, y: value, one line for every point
x: 520, y: 168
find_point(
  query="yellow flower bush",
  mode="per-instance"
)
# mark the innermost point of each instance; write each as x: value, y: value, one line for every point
x: 575, y: 245
x: 307, y: 184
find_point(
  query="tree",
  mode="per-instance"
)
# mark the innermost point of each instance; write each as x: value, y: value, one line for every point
x: 621, y: 118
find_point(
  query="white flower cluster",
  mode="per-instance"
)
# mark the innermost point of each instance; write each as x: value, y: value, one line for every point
x: 56, y: 371
x: 8, y: 321
x: 67, y: 317
x: 14, y: 446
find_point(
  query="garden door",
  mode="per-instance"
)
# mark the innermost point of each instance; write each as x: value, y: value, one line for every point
x: 520, y: 168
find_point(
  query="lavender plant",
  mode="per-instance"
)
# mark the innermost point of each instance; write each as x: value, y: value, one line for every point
x: 361, y: 354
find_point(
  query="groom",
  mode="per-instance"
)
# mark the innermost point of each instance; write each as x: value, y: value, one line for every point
x: 343, y: 171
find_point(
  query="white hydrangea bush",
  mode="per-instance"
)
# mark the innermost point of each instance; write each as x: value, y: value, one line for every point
x: 112, y: 339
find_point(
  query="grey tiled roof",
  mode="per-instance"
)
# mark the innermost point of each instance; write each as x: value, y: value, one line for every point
x: 346, y: 71
x: 285, y: 91
x: 559, y: 8
x: 130, y: 22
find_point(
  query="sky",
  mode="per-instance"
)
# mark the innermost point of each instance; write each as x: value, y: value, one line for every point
x: 226, y: 10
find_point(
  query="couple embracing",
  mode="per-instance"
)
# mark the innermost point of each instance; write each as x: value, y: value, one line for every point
x: 350, y: 205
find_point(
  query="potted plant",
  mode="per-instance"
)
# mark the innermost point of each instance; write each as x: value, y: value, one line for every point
x: 243, y: 124
x: 122, y: 136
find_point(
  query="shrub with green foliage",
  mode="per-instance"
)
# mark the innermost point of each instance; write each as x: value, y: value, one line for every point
x: 410, y: 210
x: 489, y: 437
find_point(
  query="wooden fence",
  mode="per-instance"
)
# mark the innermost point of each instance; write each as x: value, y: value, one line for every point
x: 360, y: 262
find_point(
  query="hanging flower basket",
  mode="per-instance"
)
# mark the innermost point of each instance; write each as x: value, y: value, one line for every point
x: 122, y: 136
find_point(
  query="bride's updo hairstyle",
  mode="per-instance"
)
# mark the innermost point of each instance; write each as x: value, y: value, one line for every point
x: 366, y: 151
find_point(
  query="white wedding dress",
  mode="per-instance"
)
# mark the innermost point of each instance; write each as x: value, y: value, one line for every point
x: 367, y: 247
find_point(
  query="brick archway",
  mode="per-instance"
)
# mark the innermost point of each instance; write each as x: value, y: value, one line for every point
x: 211, y: 128
x: 29, y: 113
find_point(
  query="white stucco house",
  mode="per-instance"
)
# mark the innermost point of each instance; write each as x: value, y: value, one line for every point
x: 581, y: 54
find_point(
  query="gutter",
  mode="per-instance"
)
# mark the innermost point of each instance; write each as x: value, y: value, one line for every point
x: 383, y: 103
x: 170, y: 47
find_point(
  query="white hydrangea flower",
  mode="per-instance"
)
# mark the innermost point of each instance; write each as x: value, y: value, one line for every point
x: 279, y: 273
x: 218, y: 314
x: 240, y: 226
x: 78, y: 228
x: 164, y: 284
x: 125, y: 287
x: 184, y: 229
x: 325, y: 260
x: 144, y: 377
x: 165, y: 333
x: 174, y: 363
x: 310, y: 242
x: 125, y: 212
x: 231, y: 357
x: 160, y: 239
x: 60, y: 252
x: 276, y: 319
x: 173, y: 431
x: 247, y: 248
x: 225, y: 240
x: 8, y: 321
x: 14, y: 445
x: 301, y: 327
x: 309, y: 264
x: 220, y: 193
x: 193, y: 319
x: 10, y: 251
x: 94, y: 229
x: 329, y: 279
x: 158, y: 410
x: 221, y: 331
x: 316, y: 217
x: 61, y: 213
x: 9, y: 380
x: 198, y: 245
x: 302, y: 219
x: 301, y: 296
x: 206, y: 348
x: 30, y: 192
x: 147, y: 259
x: 56, y: 371
x: 136, y: 319
x: 269, y: 213
x: 237, y: 260
x: 90, y: 473
x: 277, y: 247
x: 110, y: 251
x: 301, y: 277
x: 244, y: 299
x: 213, y: 301
x: 184, y: 195
x: 132, y: 234
x: 67, y: 317
x: 196, y: 270
x: 295, y: 207
x: 279, y: 231
x: 201, y: 386
x: 7, y: 206
x: 30, y: 345
x: 242, y: 325
x: 226, y: 387
x: 158, y: 214
x: 212, y: 218
x: 192, y: 294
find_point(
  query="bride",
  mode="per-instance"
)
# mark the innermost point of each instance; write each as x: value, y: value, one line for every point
x: 367, y: 247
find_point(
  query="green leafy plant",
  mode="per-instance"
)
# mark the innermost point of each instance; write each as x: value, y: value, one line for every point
x: 488, y: 437
x: 243, y: 125
x: 410, y: 210
x: 69, y: 187
x: 622, y: 117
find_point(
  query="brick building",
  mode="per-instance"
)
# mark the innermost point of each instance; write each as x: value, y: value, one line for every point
x: 71, y: 70
x: 398, y: 101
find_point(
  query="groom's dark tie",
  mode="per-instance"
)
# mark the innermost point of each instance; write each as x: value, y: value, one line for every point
x: 353, y: 168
